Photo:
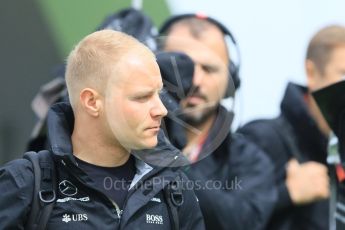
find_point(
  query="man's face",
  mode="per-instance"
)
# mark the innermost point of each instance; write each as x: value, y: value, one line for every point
x: 334, y: 70
x: 132, y: 104
x: 209, y: 54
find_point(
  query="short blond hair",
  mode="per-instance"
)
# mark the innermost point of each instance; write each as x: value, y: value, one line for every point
x: 94, y: 59
x: 323, y: 43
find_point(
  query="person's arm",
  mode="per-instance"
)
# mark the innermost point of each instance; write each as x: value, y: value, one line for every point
x: 297, y: 183
x: 251, y: 196
x: 284, y: 199
x: 16, y: 186
x: 263, y: 134
x: 307, y: 182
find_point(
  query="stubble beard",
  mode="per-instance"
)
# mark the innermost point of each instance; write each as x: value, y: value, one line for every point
x: 197, y: 116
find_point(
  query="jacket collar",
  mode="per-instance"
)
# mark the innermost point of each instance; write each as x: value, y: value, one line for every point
x: 60, y: 122
x: 60, y: 128
x: 295, y: 110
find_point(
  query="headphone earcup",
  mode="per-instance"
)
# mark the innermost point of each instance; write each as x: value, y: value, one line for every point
x: 234, y: 76
x: 234, y: 72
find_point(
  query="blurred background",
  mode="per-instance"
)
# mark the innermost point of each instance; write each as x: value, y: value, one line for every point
x: 37, y: 35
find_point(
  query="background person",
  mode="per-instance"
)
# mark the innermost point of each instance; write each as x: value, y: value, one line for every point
x: 298, y: 138
x: 217, y: 154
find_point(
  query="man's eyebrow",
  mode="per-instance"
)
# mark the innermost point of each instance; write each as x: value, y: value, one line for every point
x: 145, y: 91
x: 209, y: 64
x: 150, y: 90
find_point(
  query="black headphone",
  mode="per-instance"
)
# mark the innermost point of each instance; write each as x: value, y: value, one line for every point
x: 233, y: 68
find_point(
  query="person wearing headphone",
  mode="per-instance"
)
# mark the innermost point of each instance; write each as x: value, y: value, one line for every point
x: 233, y: 179
x: 297, y: 140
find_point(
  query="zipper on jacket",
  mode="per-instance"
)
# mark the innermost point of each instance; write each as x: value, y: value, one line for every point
x: 115, y: 207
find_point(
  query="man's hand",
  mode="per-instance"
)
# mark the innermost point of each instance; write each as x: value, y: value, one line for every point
x: 307, y: 182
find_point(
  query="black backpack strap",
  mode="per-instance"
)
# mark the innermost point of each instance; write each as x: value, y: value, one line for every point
x: 44, y: 195
x: 284, y: 129
x: 174, y: 197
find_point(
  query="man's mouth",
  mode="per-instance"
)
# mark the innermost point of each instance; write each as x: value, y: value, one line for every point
x: 195, y: 100
x: 153, y: 128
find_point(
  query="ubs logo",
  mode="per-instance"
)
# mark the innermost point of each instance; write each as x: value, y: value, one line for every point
x: 74, y: 217
x: 67, y: 188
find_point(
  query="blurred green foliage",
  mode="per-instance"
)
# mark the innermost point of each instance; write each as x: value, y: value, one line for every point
x: 71, y: 20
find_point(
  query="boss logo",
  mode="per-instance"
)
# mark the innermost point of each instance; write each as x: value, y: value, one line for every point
x: 154, y: 219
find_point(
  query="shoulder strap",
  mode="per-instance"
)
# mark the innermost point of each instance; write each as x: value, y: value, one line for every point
x: 174, y: 197
x: 284, y: 129
x: 44, y: 189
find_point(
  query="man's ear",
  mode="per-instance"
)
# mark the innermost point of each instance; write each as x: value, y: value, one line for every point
x: 90, y: 101
x: 311, y: 72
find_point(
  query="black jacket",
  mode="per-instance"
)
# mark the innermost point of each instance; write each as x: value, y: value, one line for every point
x: 234, y: 183
x: 294, y: 134
x: 82, y: 206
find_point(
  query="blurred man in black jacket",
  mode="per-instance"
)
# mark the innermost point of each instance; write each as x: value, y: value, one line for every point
x: 296, y: 141
x: 233, y: 179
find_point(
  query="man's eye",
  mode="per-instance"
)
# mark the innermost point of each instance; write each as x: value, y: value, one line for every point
x: 209, y: 69
x: 142, y: 98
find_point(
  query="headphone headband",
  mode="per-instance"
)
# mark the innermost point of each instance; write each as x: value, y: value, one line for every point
x: 164, y: 28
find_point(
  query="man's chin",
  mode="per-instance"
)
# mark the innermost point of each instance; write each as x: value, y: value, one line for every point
x: 149, y: 144
x: 144, y: 144
x: 196, y: 117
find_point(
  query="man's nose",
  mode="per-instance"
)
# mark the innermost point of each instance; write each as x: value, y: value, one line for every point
x: 159, y: 109
x: 198, y: 75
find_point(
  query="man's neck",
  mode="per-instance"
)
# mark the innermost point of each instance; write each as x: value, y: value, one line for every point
x: 317, y: 115
x: 97, y: 151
